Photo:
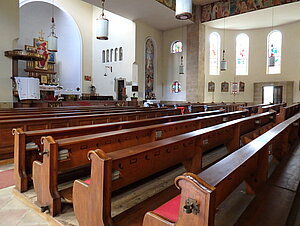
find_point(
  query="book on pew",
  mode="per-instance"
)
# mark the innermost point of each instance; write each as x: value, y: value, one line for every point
x: 63, y: 154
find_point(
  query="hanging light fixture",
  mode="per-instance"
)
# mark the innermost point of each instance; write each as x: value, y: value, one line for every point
x: 102, y: 25
x: 52, y: 38
x: 271, y: 59
x: 184, y: 9
x: 223, y: 63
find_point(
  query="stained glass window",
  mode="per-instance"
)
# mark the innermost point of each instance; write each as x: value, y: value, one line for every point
x: 274, y: 49
x: 242, y: 54
x: 111, y: 55
x: 176, y: 47
x: 120, y: 54
x: 107, y: 55
x: 103, y: 56
x: 116, y: 54
x: 214, y: 53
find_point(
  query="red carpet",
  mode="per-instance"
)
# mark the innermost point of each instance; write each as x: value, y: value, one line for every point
x: 6, y: 178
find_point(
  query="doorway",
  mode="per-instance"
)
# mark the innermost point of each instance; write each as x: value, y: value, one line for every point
x: 121, y: 89
x: 272, y: 94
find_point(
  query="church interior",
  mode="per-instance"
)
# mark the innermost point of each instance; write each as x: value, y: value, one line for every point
x: 149, y: 112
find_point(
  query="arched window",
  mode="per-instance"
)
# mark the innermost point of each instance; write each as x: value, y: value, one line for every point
x: 214, y: 53
x: 111, y: 55
x: 107, y: 55
x: 116, y: 54
x: 274, y: 50
x: 120, y: 54
x: 176, y: 47
x: 150, y: 52
x: 242, y: 54
x: 103, y: 56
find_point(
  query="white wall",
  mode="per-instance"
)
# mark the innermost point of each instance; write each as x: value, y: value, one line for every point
x: 171, y: 64
x: 82, y: 13
x: 121, y: 34
x: 68, y: 58
x: 9, y: 31
x: 257, y: 61
x: 143, y: 32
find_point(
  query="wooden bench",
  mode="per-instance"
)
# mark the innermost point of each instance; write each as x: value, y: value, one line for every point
x: 6, y: 126
x: 253, y: 109
x: 27, y: 144
x: 188, y: 148
x: 287, y: 112
x: 202, y: 193
x: 112, y: 141
x: 274, y: 107
x: 72, y: 113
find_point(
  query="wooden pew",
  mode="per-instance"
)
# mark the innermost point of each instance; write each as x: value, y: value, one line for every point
x: 274, y: 107
x: 253, y: 109
x: 287, y: 112
x: 112, y: 141
x: 88, y: 196
x: 202, y: 193
x: 6, y: 126
x: 71, y: 113
x: 27, y: 144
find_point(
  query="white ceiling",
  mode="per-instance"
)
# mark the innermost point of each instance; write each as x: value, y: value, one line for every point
x: 261, y: 18
x: 160, y: 17
x: 148, y: 11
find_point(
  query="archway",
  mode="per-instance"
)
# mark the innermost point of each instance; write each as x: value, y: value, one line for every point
x: 69, y: 55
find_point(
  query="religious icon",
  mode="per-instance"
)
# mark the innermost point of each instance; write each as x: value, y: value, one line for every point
x: 211, y: 87
x: 224, y: 87
x: 234, y: 87
x: 242, y: 87
x: 41, y: 48
x: 51, y: 59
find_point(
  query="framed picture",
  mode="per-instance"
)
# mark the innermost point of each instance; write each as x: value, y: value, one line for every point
x: 234, y: 87
x: 44, y: 79
x: 242, y: 87
x: 224, y: 87
x: 41, y: 47
x: 211, y: 86
x: 87, y: 78
x: 51, y: 59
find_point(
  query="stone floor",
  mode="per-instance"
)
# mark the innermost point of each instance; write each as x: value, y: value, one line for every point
x: 14, y: 212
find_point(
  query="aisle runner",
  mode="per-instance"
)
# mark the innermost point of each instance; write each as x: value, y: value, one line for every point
x: 6, y: 178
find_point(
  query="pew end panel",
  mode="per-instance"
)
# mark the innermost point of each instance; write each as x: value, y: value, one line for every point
x: 20, y: 175
x: 197, y: 201
x: 92, y: 206
x: 45, y: 178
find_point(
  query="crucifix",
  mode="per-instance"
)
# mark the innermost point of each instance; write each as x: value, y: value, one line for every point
x: 41, y: 35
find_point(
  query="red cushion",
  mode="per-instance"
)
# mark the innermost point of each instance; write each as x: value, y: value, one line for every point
x: 170, y: 209
x: 87, y: 181
x: 182, y: 109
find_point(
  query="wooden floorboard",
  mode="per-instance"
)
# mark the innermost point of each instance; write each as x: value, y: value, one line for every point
x: 135, y: 215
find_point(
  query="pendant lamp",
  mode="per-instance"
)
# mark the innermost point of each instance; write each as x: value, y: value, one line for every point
x: 102, y: 25
x: 271, y: 59
x: 184, y: 9
x: 223, y: 63
x: 52, y: 38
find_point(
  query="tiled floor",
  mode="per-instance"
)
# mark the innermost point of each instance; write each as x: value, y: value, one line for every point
x: 14, y: 212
